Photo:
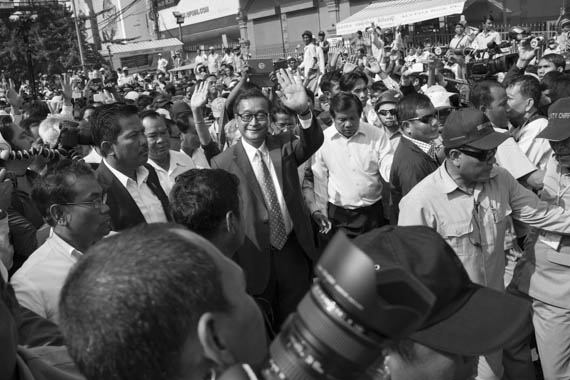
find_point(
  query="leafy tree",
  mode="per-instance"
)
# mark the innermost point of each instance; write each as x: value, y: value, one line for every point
x: 52, y: 40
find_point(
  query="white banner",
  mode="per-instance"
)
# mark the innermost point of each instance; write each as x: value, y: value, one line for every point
x: 394, y: 13
x: 196, y: 11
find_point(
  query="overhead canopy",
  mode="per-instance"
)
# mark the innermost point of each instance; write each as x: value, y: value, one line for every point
x: 392, y: 13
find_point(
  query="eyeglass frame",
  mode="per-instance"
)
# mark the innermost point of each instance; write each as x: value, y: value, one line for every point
x: 256, y: 116
x: 96, y: 204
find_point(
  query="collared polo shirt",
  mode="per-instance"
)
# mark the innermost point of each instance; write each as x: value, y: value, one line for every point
x: 179, y: 163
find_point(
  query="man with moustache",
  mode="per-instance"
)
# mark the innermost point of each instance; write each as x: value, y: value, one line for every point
x: 73, y: 203
x: 348, y: 167
x: 134, y: 194
x: 468, y: 200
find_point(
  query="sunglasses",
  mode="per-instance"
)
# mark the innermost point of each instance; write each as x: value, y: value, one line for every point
x: 424, y: 119
x: 481, y: 155
x: 387, y: 112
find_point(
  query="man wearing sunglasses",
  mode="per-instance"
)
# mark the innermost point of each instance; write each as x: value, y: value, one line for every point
x: 385, y: 108
x: 415, y: 157
x: 468, y: 200
x: 73, y: 203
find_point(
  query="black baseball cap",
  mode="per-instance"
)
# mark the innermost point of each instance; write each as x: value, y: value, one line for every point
x: 466, y: 319
x: 558, y: 128
x: 472, y: 128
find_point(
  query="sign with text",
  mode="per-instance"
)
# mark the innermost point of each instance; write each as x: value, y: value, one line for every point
x: 196, y: 11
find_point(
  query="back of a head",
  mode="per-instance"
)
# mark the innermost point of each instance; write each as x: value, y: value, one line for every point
x: 561, y: 88
x: 410, y: 104
x: 480, y: 95
x: 201, y: 198
x: 129, y: 306
x: 105, y: 121
x: 528, y: 86
x: 348, y: 81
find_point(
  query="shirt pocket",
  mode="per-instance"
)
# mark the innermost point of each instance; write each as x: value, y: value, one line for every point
x: 460, y: 236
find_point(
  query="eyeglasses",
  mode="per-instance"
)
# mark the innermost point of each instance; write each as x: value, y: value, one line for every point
x: 387, y: 112
x: 96, y: 204
x: 424, y: 119
x: 481, y: 155
x: 247, y: 117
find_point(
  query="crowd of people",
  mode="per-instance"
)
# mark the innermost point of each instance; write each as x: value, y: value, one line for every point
x: 167, y: 226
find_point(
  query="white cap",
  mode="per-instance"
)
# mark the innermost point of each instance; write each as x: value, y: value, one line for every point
x: 439, y: 97
x: 132, y: 95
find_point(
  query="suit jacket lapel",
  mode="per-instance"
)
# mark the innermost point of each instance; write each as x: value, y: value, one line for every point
x: 121, y: 194
x: 244, y: 165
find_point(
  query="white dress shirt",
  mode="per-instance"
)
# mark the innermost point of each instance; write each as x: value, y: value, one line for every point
x: 39, y: 281
x: 148, y: 203
x: 179, y: 163
x: 350, y: 168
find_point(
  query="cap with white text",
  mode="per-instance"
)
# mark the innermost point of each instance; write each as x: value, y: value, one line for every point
x: 558, y: 128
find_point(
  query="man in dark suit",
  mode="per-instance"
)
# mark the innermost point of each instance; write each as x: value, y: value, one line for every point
x: 279, y: 249
x: 134, y: 194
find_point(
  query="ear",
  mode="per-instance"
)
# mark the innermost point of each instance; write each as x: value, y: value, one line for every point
x: 57, y: 213
x: 454, y: 156
x: 212, y: 342
x: 406, y: 128
x: 483, y: 109
x: 529, y: 104
x: 231, y: 222
x: 106, y: 148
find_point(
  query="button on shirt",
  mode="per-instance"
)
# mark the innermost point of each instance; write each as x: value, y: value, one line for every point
x: 179, y: 163
x: 350, y: 168
x: 475, y: 224
x: 147, y: 202
x: 253, y: 156
x: 39, y: 281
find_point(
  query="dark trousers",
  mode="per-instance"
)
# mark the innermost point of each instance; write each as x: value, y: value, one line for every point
x: 358, y: 221
x: 289, y: 280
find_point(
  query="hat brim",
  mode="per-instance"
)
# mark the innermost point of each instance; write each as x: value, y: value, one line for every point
x: 488, y: 321
x: 489, y: 141
x: 558, y: 132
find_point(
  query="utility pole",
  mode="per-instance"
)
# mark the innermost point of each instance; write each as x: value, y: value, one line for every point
x: 94, y: 26
x: 154, y: 17
x: 79, y: 39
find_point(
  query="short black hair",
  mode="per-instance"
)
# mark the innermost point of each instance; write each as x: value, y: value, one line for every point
x: 201, y: 198
x: 557, y: 59
x: 27, y: 123
x: 251, y: 93
x: 130, y: 303
x: 480, y: 95
x: 344, y: 101
x: 529, y: 87
x: 278, y: 107
x: 328, y: 80
x: 409, y: 105
x: 54, y: 187
x: 105, y: 121
x: 488, y: 17
x: 348, y: 81
x: 150, y: 114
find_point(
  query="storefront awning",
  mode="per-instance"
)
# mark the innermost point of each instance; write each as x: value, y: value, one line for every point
x: 392, y: 13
